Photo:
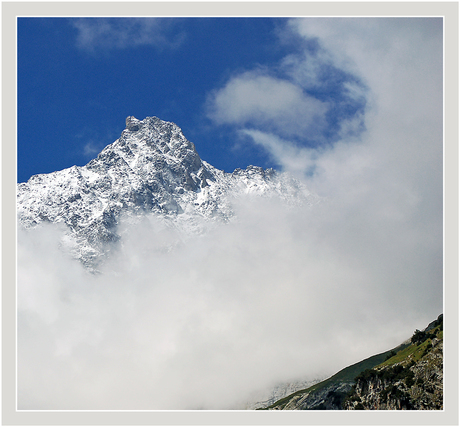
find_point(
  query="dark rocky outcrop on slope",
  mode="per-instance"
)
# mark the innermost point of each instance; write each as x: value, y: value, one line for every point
x: 409, y: 377
x: 411, y: 380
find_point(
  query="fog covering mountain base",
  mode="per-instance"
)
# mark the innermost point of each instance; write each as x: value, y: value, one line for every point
x: 210, y: 288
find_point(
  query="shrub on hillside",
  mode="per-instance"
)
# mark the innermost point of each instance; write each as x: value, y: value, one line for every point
x: 418, y: 337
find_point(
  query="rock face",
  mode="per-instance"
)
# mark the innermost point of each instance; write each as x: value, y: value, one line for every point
x: 413, y: 383
x: 331, y: 392
x: 417, y: 385
x: 410, y: 378
x: 151, y: 168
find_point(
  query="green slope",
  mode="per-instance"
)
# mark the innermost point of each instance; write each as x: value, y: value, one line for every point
x: 345, y: 375
x: 348, y: 375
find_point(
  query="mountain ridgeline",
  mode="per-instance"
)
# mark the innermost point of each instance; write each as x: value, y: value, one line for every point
x: 151, y: 169
x: 408, y: 377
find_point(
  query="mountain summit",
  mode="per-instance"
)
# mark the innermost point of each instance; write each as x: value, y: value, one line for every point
x: 152, y: 168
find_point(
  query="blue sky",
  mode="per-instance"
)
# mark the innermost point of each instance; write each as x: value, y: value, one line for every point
x: 78, y: 79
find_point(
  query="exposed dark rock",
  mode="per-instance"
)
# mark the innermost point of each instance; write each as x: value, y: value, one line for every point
x: 407, y: 378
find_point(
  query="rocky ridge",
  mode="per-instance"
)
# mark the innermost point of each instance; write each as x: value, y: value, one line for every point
x: 409, y: 377
x: 406, y: 385
x: 151, y: 169
x: 412, y: 380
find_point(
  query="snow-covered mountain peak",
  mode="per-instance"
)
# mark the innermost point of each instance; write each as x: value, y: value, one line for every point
x: 150, y: 140
x: 150, y: 169
x: 164, y: 136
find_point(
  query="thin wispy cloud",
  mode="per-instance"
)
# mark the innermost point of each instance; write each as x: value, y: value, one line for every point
x: 296, y: 159
x: 95, y: 34
x: 91, y: 149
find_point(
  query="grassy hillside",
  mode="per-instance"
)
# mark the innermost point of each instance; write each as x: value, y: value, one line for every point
x: 345, y: 375
x: 413, y: 350
x: 410, y: 379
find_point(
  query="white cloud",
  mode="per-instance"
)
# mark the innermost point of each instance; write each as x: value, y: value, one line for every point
x: 278, y: 295
x: 268, y: 102
x: 401, y: 61
x: 94, y: 34
x: 394, y: 56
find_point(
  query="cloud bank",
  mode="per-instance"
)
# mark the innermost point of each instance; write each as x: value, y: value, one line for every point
x: 274, y: 297
x: 281, y: 293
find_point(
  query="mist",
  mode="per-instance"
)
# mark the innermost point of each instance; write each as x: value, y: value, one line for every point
x: 278, y: 295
